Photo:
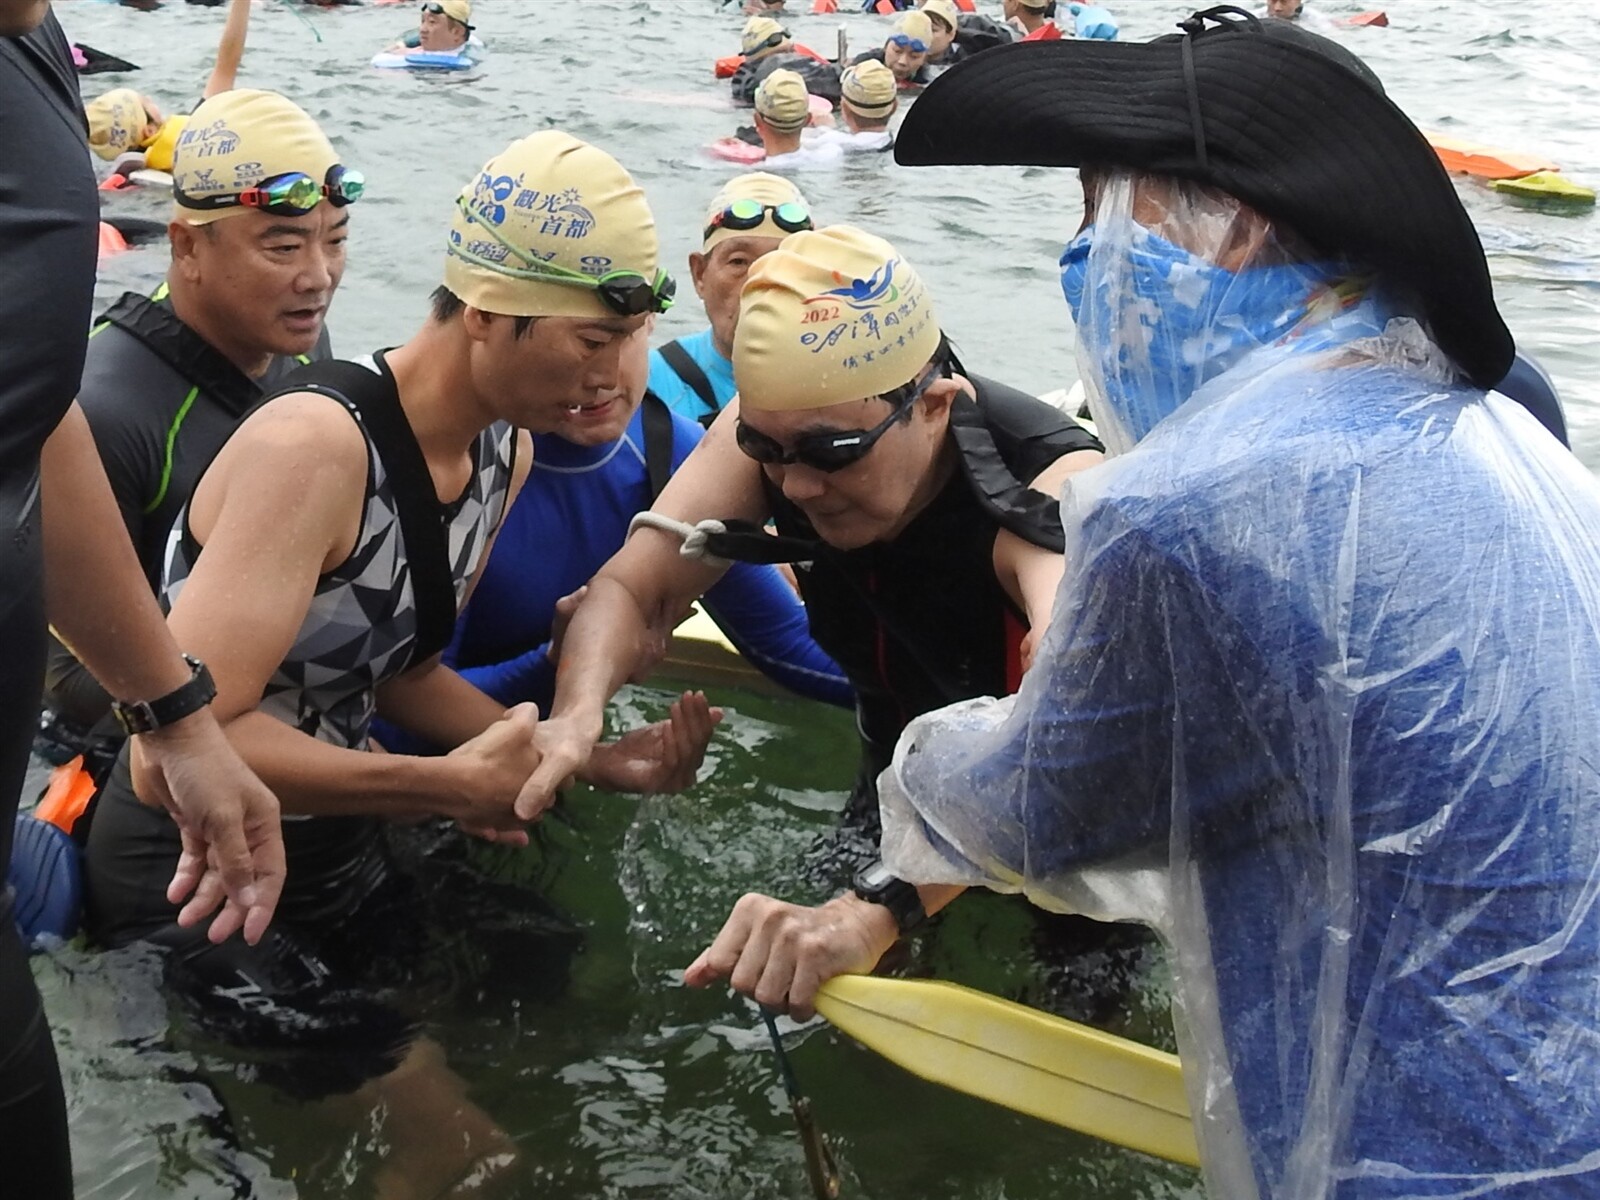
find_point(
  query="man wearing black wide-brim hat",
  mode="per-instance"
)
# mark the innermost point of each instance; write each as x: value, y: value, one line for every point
x: 1321, y: 691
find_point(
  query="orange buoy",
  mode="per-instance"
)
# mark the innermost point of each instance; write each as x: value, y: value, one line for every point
x: 112, y: 242
x: 1374, y: 19
x: 68, y: 794
x: 1484, y: 162
x: 723, y: 68
x: 824, y: 6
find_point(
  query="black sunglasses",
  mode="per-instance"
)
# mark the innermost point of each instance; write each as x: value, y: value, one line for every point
x: 835, y: 451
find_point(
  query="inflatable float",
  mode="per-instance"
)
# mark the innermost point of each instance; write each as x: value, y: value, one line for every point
x: 469, y: 55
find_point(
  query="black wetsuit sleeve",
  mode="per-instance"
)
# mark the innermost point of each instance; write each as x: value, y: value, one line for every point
x: 71, y: 690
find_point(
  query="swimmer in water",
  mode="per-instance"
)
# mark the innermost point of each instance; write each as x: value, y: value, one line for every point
x: 445, y: 28
x: 129, y: 128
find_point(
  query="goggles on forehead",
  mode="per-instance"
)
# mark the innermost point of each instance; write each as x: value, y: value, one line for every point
x: 626, y: 293
x: 837, y: 449
x: 791, y: 217
x: 292, y: 194
x: 438, y: 10
x: 906, y: 42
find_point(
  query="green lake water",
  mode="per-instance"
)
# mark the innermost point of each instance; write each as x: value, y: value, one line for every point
x: 613, y: 1079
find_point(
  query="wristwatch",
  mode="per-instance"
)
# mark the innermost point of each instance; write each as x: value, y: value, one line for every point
x: 143, y: 716
x: 875, y: 885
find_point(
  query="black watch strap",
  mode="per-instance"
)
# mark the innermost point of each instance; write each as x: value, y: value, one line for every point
x: 143, y: 716
x: 876, y: 885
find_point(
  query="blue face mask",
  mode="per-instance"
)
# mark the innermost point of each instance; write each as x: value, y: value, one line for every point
x: 1155, y: 322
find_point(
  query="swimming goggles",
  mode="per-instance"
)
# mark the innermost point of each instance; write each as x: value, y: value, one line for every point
x: 838, y: 449
x: 791, y: 217
x: 906, y: 42
x: 292, y: 194
x: 626, y: 293
x: 773, y: 39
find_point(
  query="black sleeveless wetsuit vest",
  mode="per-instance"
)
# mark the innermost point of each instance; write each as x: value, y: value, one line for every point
x: 921, y: 622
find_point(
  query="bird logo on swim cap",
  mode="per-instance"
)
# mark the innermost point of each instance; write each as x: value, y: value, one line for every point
x: 116, y: 122
x: 762, y: 35
x: 235, y: 141
x: 548, y: 201
x: 831, y: 315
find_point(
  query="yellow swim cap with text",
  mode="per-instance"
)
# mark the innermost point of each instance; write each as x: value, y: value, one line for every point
x: 831, y: 315
x: 236, y: 140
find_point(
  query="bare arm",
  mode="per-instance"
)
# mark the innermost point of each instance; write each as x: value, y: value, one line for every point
x: 279, y: 507
x: 100, y: 604
x: 634, y: 603
x: 230, y: 49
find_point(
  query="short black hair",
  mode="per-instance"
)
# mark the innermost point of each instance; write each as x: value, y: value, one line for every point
x: 447, y: 305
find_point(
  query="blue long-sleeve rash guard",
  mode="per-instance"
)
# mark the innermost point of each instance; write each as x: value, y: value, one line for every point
x: 571, y: 516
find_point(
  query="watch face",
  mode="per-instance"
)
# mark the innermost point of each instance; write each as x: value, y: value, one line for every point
x: 874, y: 878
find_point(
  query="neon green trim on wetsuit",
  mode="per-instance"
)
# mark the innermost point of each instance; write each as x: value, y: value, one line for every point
x: 166, y: 458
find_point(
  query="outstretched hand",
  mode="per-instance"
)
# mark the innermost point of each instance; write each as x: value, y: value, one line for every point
x: 232, y: 838
x: 663, y: 757
x: 779, y: 954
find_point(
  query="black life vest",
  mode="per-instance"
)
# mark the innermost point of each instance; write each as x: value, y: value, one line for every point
x: 822, y: 78
x: 921, y: 622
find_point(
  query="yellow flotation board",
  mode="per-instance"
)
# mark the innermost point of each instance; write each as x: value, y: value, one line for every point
x: 1547, y: 187
x: 1026, y: 1060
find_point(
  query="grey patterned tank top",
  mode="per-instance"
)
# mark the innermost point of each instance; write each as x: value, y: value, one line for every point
x: 362, y: 620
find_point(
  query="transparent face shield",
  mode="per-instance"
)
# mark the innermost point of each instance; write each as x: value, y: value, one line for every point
x: 1171, y: 284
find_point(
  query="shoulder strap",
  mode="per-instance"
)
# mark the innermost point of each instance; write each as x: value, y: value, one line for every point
x: 657, y: 419
x: 376, y: 400
x: 157, y: 328
x: 689, y: 371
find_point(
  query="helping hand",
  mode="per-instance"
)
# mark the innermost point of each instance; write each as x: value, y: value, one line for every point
x: 492, y: 771
x: 778, y: 954
x: 663, y: 757
x: 232, y: 838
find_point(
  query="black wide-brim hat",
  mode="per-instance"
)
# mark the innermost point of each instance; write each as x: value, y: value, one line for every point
x: 1288, y: 122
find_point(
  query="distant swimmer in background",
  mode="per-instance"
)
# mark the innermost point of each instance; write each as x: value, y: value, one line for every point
x: 783, y: 111
x: 905, y: 52
x: 444, y: 38
x: 1286, y: 10
x: 958, y: 35
x: 763, y: 8
x: 129, y: 128
x: 869, y: 98
x: 767, y: 47
x: 748, y: 217
x: 1032, y: 18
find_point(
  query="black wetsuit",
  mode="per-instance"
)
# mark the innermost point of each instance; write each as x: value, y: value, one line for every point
x: 921, y: 621
x: 822, y: 79
x: 161, y: 402
x: 49, y: 212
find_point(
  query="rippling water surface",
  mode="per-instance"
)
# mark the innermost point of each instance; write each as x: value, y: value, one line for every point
x: 614, y: 1080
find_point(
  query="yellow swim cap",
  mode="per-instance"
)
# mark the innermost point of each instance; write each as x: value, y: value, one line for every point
x: 158, y: 154
x: 831, y: 315
x: 237, y: 139
x: 758, y: 31
x: 547, y: 200
x: 945, y: 10
x: 869, y: 90
x: 783, y: 102
x: 769, y: 191
x: 116, y: 122
x: 457, y: 10
x: 914, y: 23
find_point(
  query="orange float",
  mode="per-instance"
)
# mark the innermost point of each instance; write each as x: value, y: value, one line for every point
x: 1484, y: 162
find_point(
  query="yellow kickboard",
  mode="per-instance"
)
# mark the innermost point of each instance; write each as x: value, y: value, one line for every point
x: 1546, y: 185
x: 1020, y: 1058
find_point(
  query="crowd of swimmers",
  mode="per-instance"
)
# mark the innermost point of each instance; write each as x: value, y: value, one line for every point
x: 1242, y: 653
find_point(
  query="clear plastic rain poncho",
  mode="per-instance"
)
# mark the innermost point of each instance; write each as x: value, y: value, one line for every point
x: 1320, y: 701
